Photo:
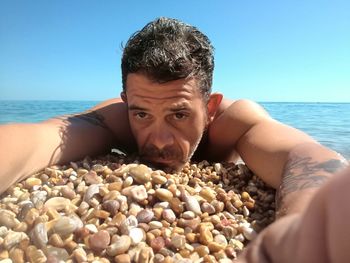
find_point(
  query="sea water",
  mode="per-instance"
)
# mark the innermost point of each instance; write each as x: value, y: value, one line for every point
x: 329, y: 123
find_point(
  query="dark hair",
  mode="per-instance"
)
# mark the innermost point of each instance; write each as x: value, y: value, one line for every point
x: 167, y: 49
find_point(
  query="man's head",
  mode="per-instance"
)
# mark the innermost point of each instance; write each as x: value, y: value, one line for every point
x: 167, y: 72
x: 167, y: 49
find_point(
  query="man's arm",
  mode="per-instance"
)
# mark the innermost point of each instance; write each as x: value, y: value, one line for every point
x: 27, y: 148
x: 321, y: 233
x: 284, y: 157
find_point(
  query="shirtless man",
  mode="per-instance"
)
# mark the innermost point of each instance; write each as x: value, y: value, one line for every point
x: 168, y: 114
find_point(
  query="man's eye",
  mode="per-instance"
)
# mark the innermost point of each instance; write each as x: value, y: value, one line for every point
x: 141, y: 115
x: 179, y: 116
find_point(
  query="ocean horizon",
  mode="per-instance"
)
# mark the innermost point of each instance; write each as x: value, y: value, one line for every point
x: 327, y: 122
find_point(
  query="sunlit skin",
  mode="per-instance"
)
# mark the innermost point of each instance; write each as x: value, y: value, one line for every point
x: 166, y: 119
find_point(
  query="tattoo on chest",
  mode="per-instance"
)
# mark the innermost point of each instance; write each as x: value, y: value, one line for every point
x: 303, y: 173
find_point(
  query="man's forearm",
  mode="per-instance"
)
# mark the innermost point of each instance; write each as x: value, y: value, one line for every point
x: 307, y: 168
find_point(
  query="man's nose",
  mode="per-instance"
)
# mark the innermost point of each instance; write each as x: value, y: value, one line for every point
x: 161, y: 137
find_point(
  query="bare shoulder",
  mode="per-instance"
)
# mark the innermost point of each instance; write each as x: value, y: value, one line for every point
x: 242, y: 110
x: 107, y: 120
x: 234, y: 118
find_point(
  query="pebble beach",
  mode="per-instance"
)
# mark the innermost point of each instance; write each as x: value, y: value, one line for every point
x: 114, y: 209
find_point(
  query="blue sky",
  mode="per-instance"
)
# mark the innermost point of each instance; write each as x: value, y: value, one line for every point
x: 265, y: 50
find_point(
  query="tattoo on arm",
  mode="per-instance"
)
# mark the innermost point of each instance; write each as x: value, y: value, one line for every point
x: 304, y: 173
x: 91, y: 117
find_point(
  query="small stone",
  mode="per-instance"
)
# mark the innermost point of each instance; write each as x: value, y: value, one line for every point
x: 145, y: 216
x: 141, y: 173
x: 178, y: 241
x: 14, y: 238
x: 139, y: 193
x: 205, y: 236
x: 169, y: 215
x: 157, y: 243
x: 164, y: 194
x: 8, y: 218
x: 57, y: 203
x: 192, y: 204
x: 158, y: 179
x: 215, y: 247
x: 39, y: 235
x: 99, y: 241
x: 176, y: 205
x: 220, y: 239
x: 137, y: 235
x: 245, y: 211
x: 207, y: 208
x: 112, y: 206
x: 65, y: 226
x: 188, y: 215
x: 249, y: 233
x: 129, y: 223
x: 17, y: 255
x: 238, y: 245
x: 79, y: 255
x: 68, y: 192
x: 119, y: 246
x: 92, y: 228
x: 229, y: 232
x: 155, y: 225
x: 90, y: 192
x: 123, y: 258
x: 30, y: 182
x: 207, y: 193
x: 56, y: 254
x: 92, y: 178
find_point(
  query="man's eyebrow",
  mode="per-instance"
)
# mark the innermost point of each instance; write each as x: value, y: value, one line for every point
x: 179, y: 107
x: 135, y: 107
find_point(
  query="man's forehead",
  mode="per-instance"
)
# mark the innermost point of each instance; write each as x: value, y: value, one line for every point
x: 137, y: 82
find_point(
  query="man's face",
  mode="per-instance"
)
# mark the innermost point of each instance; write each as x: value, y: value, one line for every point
x: 167, y: 120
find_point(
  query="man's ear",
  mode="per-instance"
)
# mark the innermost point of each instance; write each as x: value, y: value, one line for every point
x: 123, y: 96
x: 213, y: 104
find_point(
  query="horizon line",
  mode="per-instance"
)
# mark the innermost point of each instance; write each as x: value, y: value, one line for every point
x: 90, y: 100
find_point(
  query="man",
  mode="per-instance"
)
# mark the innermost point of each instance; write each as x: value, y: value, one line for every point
x: 168, y: 114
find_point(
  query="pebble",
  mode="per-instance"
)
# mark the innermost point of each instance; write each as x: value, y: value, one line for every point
x: 91, y: 191
x: 137, y: 235
x: 164, y: 194
x: 13, y: 238
x: 141, y: 173
x: 65, y: 226
x: 110, y: 211
x: 92, y: 178
x: 57, y: 203
x: 8, y: 218
x: 119, y: 246
x: 39, y: 235
x: 155, y: 225
x: 157, y: 243
x: 249, y: 233
x: 129, y: 223
x: 145, y: 216
x: 178, y: 241
x: 192, y: 204
x: 139, y: 193
x: 124, y: 258
x: 169, y: 215
x: 99, y: 241
x: 188, y: 215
